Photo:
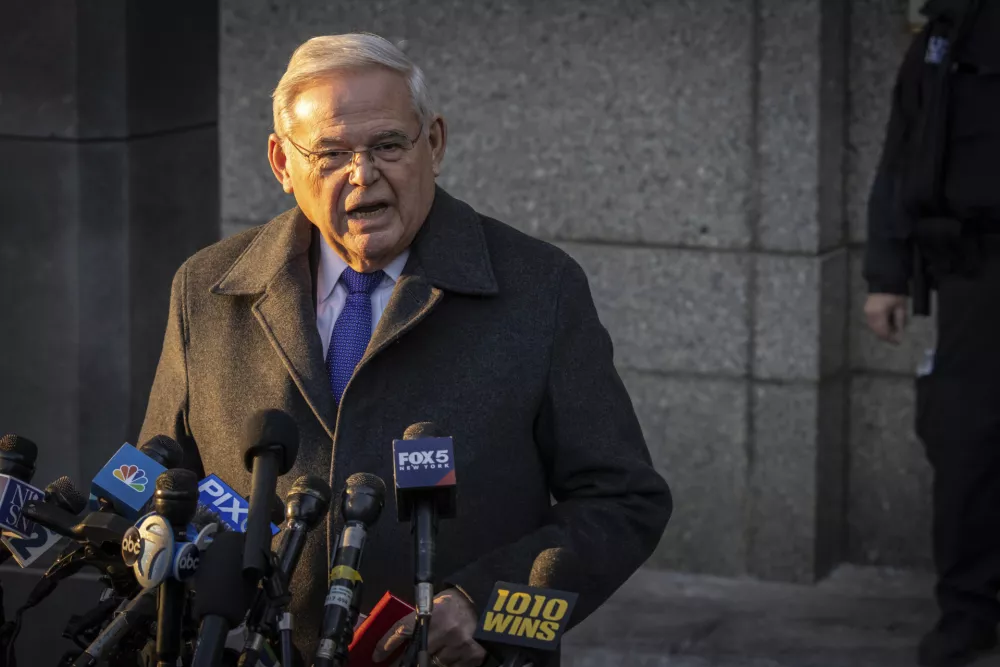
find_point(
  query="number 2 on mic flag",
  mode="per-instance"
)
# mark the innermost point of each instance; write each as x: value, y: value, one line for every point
x: 525, y: 616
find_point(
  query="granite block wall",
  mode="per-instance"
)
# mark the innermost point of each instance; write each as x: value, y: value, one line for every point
x: 707, y: 163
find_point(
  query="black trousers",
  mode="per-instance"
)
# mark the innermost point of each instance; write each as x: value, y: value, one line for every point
x: 958, y: 420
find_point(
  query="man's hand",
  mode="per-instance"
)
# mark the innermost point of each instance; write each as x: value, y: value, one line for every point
x: 886, y: 315
x: 450, y: 640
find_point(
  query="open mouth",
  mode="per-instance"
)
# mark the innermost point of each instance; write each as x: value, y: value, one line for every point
x: 370, y: 211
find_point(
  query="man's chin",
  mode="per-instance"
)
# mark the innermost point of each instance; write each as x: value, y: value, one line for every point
x: 374, y: 251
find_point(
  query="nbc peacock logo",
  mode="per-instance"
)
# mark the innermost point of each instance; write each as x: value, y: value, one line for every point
x: 132, y: 475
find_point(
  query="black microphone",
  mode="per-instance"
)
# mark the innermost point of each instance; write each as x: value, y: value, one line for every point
x: 125, y: 619
x: 175, y: 499
x: 424, y: 475
x: 64, y: 494
x: 17, y: 460
x: 270, y: 447
x: 17, y: 457
x: 523, y: 624
x: 61, y: 496
x: 308, y: 502
x: 360, y: 506
x: 221, y: 597
x: 279, y: 510
x: 164, y: 450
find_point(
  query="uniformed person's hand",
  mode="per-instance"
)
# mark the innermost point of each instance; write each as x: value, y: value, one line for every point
x: 449, y: 642
x: 886, y: 315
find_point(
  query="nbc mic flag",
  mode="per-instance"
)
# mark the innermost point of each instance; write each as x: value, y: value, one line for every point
x: 13, y: 495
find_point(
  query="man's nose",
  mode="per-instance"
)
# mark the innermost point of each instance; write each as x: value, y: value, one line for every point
x: 363, y: 169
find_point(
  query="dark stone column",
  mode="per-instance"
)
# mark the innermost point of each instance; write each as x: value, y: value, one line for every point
x: 109, y: 154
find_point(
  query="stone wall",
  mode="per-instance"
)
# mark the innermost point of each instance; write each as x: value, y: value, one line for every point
x: 707, y: 162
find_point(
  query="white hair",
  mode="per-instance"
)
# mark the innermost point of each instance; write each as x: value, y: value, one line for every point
x: 319, y: 57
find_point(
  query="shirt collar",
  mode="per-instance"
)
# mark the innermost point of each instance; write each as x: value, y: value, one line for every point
x: 331, y: 265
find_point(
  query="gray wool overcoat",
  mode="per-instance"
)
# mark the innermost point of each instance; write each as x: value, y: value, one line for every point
x: 489, y: 333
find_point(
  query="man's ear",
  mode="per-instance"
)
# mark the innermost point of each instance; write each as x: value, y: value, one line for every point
x: 279, y: 162
x: 437, y: 135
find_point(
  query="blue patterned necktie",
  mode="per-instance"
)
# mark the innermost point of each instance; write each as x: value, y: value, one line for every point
x: 353, y: 329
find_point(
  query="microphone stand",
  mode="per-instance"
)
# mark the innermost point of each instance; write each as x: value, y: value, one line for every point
x: 176, y: 500
x: 126, y: 616
x: 424, y: 533
x: 272, y: 597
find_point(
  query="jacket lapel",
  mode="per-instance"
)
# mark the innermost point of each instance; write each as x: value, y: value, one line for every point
x: 276, y: 266
x: 449, y: 253
x: 412, y: 300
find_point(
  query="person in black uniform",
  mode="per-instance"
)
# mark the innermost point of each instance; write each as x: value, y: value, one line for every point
x: 934, y: 221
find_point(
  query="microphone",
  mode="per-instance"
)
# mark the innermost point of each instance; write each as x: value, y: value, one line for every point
x: 17, y: 468
x: 175, y: 499
x: 63, y: 501
x: 64, y: 495
x: 125, y: 480
x: 221, y: 597
x: 95, y: 529
x: 17, y: 457
x: 164, y: 450
x: 308, y: 502
x: 17, y: 460
x: 424, y: 475
x: 125, y: 619
x: 361, y: 505
x: 270, y: 447
x: 524, y: 623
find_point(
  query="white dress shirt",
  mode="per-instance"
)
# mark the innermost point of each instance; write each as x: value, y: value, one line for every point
x: 331, y: 294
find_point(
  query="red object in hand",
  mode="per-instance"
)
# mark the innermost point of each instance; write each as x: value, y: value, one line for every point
x: 389, y: 610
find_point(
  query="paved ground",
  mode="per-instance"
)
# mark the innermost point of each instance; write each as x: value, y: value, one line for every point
x: 859, y: 617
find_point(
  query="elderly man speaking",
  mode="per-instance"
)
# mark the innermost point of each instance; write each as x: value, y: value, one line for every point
x: 380, y: 301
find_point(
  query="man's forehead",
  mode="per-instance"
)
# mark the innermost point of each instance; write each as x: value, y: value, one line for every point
x: 362, y: 100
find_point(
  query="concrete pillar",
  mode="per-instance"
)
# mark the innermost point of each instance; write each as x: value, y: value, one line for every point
x: 799, y: 287
x: 109, y: 147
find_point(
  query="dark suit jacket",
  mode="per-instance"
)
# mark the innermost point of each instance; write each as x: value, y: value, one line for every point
x: 489, y: 333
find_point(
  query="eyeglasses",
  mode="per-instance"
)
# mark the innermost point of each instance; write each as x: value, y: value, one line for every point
x: 392, y: 150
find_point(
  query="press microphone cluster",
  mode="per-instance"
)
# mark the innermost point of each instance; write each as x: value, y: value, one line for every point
x: 151, y: 530
x: 187, y: 562
x: 94, y: 539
